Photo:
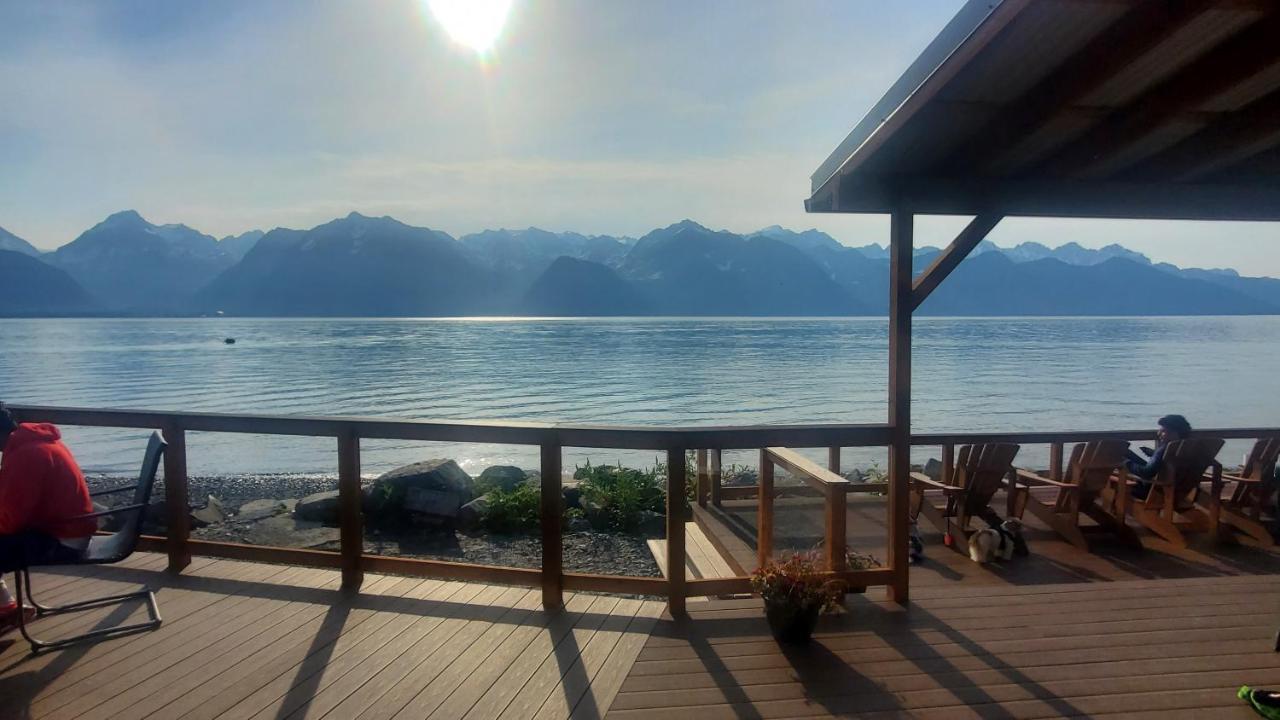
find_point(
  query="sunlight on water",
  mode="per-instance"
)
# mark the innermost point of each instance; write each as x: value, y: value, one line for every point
x: 970, y: 375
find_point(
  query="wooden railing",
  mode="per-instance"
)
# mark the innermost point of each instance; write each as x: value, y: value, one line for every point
x: 348, y: 432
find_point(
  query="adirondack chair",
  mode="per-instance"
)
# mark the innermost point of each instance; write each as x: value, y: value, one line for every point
x: 1174, y: 492
x: 978, y: 473
x: 1088, y: 473
x: 1253, y: 487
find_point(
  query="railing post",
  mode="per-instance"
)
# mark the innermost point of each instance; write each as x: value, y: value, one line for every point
x: 717, y: 476
x: 552, y: 510
x: 834, y: 542
x: 833, y: 459
x: 176, y: 500
x: 675, y: 531
x: 1055, y: 461
x: 703, y: 479
x: 350, y: 512
x: 764, y: 506
x: 948, y: 463
x: 900, y: 308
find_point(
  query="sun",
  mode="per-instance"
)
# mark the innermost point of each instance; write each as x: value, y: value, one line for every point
x: 474, y: 23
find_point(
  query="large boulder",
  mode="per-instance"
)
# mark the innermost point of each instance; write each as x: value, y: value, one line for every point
x: 321, y: 507
x: 255, y: 510
x: 211, y: 513
x: 471, y: 515
x: 933, y: 469
x: 426, y: 494
x: 501, y: 477
x: 290, y: 531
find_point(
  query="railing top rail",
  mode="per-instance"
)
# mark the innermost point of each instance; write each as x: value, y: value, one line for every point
x: 500, y: 432
x: 1073, y: 436
x: 808, y: 470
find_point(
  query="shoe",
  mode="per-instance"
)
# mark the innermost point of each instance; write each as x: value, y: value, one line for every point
x: 9, y: 617
x: 1265, y: 702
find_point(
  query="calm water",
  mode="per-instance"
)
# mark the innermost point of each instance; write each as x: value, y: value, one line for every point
x: 970, y: 375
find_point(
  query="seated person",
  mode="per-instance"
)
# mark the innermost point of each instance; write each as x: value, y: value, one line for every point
x: 40, y: 487
x: 1144, y: 470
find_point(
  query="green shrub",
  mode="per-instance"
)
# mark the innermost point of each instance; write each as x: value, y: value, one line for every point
x: 617, y: 498
x: 513, y: 511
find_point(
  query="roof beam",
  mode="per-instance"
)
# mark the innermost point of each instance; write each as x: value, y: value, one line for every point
x: 963, y: 195
x: 1229, y: 141
x: 1124, y: 41
x: 951, y: 256
x: 1237, y: 59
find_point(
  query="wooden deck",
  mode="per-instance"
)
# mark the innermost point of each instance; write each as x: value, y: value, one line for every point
x: 244, y: 640
x: 1061, y: 635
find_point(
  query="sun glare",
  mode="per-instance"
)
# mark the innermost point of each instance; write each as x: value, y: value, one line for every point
x: 474, y: 23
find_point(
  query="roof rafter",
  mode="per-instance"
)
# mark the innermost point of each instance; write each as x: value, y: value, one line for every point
x: 1127, y: 39
x: 1235, y: 60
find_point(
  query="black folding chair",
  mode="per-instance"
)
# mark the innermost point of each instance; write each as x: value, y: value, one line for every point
x: 103, y: 550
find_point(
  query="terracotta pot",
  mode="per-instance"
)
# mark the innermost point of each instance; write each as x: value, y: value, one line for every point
x: 792, y: 623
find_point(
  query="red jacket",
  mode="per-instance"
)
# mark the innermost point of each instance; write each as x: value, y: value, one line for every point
x: 41, y: 484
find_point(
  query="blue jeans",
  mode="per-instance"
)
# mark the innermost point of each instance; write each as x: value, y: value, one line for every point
x: 30, y: 548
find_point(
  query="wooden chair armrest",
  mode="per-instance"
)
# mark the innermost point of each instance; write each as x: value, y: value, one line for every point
x: 922, y: 479
x: 1233, y: 478
x: 1031, y: 478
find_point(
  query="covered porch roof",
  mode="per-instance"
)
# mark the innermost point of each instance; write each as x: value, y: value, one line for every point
x: 1076, y: 108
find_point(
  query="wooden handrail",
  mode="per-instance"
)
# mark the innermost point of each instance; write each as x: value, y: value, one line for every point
x: 807, y: 470
x: 551, y: 438
x: 504, y: 432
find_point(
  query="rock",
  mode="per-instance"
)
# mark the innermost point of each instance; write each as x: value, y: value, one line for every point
x: 652, y: 524
x: 579, y: 524
x: 501, y: 477
x: 210, y: 514
x: 426, y: 494
x: 855, y: 475
x: 572, y: 495
x: 255, y: 510
x: 933, y: 469
x: 289, y: 531
x: 471, y: 515
x: 320, y: 507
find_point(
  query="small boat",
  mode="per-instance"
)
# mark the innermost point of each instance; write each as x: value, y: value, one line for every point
x: 229, y: 341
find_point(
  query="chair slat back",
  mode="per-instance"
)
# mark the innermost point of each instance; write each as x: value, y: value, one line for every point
x: 1092, y: 465
x: 122, y: 543
x: 980, y: 470
x: 1261, y: 464
x: 1184, y: 466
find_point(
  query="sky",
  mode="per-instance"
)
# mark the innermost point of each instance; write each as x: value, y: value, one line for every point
x: 586, y: 115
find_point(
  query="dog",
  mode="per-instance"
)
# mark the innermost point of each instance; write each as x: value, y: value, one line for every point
x: 998, y: 542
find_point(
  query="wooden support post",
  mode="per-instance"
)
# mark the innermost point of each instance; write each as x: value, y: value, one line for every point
x: 900, y: 308
x: 717, y: 476
x: 764, y: 508
x: 176, y: 501
x: 833, y: 459
x: 552, y: 511
x: 703, y: 478
x: 1055, y: 461
x: 675, y: 531
x: 350, y: 512
x: 834, y: 540
x: 948, y: 462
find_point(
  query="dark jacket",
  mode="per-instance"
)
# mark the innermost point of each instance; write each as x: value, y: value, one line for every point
x: 1146, y: 468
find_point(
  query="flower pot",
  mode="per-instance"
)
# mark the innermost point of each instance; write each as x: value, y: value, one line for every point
x: 791, y: 623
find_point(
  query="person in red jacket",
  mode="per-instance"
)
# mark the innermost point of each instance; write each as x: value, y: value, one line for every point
x: 41, y: 491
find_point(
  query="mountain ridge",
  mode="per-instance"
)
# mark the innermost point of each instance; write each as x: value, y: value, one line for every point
x: 362, y: 265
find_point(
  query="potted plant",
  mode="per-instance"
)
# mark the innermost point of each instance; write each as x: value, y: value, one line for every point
x: 795, y: 593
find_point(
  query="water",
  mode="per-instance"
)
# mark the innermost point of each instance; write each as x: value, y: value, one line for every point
x: 988, y: 374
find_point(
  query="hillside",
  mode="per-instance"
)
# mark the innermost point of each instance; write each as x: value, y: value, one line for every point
x: 129, y: 264
x: 358, y: 266
x: 33, y: 287
x: 572, y: 287
x: 13, y: 243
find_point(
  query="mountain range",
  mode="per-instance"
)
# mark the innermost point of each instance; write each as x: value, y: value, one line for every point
x: 379, y: 266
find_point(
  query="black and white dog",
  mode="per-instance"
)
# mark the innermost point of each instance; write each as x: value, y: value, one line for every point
x: 998, y: 542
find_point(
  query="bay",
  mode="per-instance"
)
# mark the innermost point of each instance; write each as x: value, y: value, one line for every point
x: 971, y: 374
